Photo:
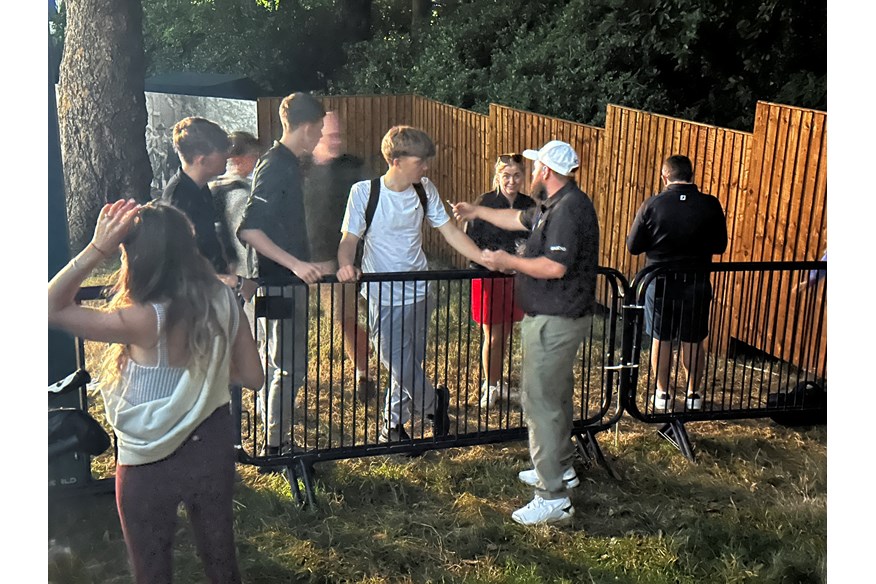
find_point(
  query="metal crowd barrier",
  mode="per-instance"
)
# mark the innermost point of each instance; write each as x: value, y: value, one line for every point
x: 766, y: 333
x: 325, y: 420
x: 767, y: 325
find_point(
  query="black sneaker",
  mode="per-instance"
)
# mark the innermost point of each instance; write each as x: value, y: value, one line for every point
x: 396, y: 434
x: 441, y: 418
x: 365, y: 389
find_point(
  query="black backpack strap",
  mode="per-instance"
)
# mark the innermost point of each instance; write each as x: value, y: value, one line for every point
x: 421, y: 193
x: 373, y: 197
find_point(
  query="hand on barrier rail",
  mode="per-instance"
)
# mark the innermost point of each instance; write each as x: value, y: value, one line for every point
x: 307, y: 271
x: 348, y: 273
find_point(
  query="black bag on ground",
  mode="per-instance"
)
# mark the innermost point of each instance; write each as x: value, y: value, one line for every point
x: 73, y: 430
x: 806, y: 403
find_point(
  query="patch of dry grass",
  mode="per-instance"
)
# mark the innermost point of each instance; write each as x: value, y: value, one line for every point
x: 752, y: 509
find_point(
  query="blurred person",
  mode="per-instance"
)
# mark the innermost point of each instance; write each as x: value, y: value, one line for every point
x: 326, y: 186
x: 556, y: 287
x: 178, y: 339
x: 231, y: 192
x: 492, y: 300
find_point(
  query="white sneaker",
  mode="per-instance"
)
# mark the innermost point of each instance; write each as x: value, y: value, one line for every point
x: 530, y: 477
x: 694, y: 402
x: 490, y: 396
x: 541, y: 510
x: 661, y: 400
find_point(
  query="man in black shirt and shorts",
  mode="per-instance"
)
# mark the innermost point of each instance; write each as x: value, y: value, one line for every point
x: 556, y: 288
x: 683, y: 227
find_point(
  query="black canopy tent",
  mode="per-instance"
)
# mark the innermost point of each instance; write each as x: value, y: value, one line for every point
x: 226, y: 85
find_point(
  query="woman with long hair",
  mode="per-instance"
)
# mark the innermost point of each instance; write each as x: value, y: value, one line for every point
x: 492, y: 299
x: 178, y: 339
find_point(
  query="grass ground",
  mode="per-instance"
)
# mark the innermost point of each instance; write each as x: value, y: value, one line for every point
x: 752, y: 509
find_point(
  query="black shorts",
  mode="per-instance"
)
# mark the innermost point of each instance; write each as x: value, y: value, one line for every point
x: 677, y: 307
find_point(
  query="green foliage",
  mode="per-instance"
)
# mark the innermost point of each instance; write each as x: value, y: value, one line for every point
x: 705, y: 60
x: 709, y: 61
x: 282, y: 45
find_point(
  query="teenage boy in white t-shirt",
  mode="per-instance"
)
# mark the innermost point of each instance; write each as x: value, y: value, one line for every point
x: 399, y: 312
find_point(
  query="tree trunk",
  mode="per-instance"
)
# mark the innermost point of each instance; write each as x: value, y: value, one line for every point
x: 102, y: 111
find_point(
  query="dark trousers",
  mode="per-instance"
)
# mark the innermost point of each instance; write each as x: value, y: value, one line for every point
x: 200, y: 475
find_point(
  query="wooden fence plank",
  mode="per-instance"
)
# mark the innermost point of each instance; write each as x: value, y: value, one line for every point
x: 771, y: 182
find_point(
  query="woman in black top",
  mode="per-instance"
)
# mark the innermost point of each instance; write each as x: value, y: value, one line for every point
x: 492, y: 299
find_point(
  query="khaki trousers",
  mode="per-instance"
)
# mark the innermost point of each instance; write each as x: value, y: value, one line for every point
x: 550, y: 345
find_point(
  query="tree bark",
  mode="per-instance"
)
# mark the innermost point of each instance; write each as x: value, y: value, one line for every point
x: 102, y: 111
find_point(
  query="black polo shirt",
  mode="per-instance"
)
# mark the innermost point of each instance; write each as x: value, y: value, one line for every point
x: 679, y: 225
x: 197, y: 203
x: 488, y: 236
x: 564, y: 229
x: 276, y: 207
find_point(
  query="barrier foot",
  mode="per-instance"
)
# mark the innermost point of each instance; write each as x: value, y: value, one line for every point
x: 301, y: 469
x: 675, y: 433
x: 307, y: 479
x: 292, y: 479
x: 590, y: 452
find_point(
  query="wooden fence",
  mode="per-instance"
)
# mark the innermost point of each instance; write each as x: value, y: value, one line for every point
x: 772, y: 181
x: 461, y: 169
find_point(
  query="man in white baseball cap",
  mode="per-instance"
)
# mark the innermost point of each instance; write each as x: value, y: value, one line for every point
x: 555, y: 285
x: 556, y: 155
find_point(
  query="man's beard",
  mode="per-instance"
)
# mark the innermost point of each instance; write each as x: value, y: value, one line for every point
x: 539, y: 191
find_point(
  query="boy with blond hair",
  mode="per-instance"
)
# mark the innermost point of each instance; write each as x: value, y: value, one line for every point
x: 398, y: 202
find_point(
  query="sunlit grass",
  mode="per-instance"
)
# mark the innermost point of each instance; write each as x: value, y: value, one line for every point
x: 752, y: 509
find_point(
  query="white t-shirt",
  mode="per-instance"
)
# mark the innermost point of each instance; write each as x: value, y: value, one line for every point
x: 394, y: 242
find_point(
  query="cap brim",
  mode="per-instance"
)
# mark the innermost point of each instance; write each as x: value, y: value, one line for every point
x: 530, y: 154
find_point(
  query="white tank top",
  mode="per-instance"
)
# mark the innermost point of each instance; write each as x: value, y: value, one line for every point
x: 146, y: 383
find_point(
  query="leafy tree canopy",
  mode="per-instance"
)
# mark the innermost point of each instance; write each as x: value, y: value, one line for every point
x: 282, y: 45
x: 704, y: 60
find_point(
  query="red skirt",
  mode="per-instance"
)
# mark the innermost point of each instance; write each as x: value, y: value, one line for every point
x: 492, y: 301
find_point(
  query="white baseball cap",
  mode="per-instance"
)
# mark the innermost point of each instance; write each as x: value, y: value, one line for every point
x: 556, y: 155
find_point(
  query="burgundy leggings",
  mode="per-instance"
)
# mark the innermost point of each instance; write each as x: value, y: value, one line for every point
x: 199, y: 474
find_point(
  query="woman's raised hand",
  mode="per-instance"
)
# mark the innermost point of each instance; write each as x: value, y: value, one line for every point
x: 113, y: 224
